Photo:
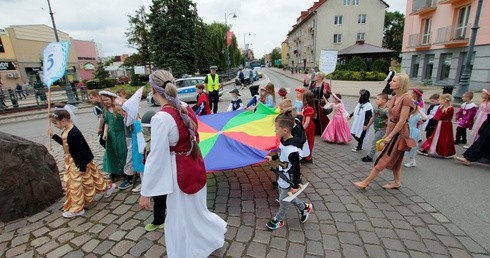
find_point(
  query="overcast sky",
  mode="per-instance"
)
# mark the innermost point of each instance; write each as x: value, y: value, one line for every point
x: 265, y: 23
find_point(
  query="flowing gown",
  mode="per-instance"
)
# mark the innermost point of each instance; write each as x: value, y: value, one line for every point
x: 337, y: 130
x: 480, y: 118
x: 414, y: 132
x: 441, y: 142
x: 115, y: 148
x: 479, y: 151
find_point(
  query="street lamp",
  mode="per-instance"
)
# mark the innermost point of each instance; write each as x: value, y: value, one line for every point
x: 68, y: 89
x: 464, y: 80
x: 228, y: 61
x: 244, y: 42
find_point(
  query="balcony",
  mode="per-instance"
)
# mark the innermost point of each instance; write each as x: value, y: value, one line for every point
x: 422, y: 7
x: 453, y: 35
x: 419, y: 41
x: 454, y: 2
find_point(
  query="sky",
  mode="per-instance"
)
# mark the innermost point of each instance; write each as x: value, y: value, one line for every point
x: 263, y: 24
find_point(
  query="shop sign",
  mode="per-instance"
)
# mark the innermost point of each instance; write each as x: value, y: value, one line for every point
x: 7, y: 66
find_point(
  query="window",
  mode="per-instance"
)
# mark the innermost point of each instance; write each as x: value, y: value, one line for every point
x: 338, y: 20
x: 428, y: 67
x: 355, y: 2
x: 361, y: 19
x: 462, y: 23
x: 361, y: 35
x: 426, y: 31
x: 337, y: 38
x: 415, y: 66
x: 346, y: 2
x: 445, y: 66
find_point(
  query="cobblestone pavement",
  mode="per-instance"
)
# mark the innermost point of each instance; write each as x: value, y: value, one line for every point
x: 345, y: 222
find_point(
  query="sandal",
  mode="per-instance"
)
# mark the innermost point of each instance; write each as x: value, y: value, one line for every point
x: 462, y: 160
x: 391, y: 186
x: 360, y: 187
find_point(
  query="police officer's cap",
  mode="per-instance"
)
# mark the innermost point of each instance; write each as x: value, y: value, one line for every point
x: 213, y: 67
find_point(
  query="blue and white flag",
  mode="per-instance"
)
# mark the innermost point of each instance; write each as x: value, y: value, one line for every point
x: 54, y: 61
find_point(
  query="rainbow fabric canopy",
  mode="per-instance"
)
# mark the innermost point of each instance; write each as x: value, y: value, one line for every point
x: 237, y: 139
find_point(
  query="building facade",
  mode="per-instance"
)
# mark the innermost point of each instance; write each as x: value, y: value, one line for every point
x: 9, y: 71
x: 436, y: 39
x: 284, y: 52
x: 86, y: 52
x: 334, y: 25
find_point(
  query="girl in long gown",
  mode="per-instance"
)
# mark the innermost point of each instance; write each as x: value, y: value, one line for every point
x: 321, y: 91
x: 82, y: 178
x: 416, y: 117
x: 337, y: 130
x: 482, y: 113
x: 115, y: 150
x: 398, y: 112
x: 175, y: 167
x: 441, y: 142
x: 479, y: 150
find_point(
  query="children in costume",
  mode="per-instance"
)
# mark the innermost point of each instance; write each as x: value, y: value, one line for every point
x: 416, y: 117
x: 256, y: 99
x: 337, y: 130
x: 465, y: 117
x: 298, y: 102
x: 98, y: 108
x: 202, y: 106
x: 270, y: 95
x: 114, y: 135
x: 283, y: 94
x: 431, y: 123
x: 309, y: 115
x: 288, y: 171
x: 441, y: 142
x: 128, y: 167
x: 482, y: 113
x: 379, y: 121
x: 236, y: 103
x: 82, y: 178
x: 362, y: 114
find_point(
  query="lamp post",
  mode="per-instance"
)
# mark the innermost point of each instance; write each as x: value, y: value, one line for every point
x: 228, y: 61
x: 244, y: 42
x: 464, y: 80
x: 68, y: 89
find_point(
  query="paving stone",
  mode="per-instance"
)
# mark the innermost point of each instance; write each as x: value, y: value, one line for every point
x: 121, y: 209
x: 345, y: 227
x: 60, y: 251
x: 450, y: 241
x: 415, y: 221
x: 278, y: 243
x: 47, y: 247
x: 236, y: 249
x: 425, y: 233
x: 90, y: 245
x: 154, y: 236
x: 6, y: 236
x: 455, y: 230
x: 74, y: 254
x: 107, y: 231
x: 39, y: 241
x: 262, y: 236
x: 341, y: 217
x: 439, y: 217
x: 257, y: 250
x: 11, y: 226
x: 155, y: 251
x: 369, y: 237
x: 407, y: 234
x: 397, y: 254
x: 97, y: 228
x: 28, y: 254
x: 65, y: 237
x: 296, y: 236
x: 83, y: 227
x: 19, y: 240
x: 15, y: 251
x: 108, y: 219
x: 122, y: 247
x: 314, y: 248
x: 352, y: 251
x: 415, y: 245
x: 295, y: 250
x: 381, y: 223
x: 104, y: 247
x: 276, y: 253
x: 416, y: 254
x: 315, y: 235
x: 364, y: 226
x: 427, y: 218
x: 349, y: 238
x: 375, y: 251
x: 439, y: 230
x: 141, y: 247
x: 244, y: 234
x: 136, y: 233
x: 471, y: 245
x: 453, y: 252
x: 434, y: 246
x: 393, y: 244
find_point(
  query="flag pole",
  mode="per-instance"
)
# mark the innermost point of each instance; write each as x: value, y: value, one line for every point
x: 49, y: 119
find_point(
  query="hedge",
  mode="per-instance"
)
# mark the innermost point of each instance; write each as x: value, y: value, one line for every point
x: 356, y: 76
x: 100, y: 84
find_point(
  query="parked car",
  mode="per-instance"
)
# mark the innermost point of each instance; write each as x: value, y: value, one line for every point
x: 186, y: 89
x: 259, y: 72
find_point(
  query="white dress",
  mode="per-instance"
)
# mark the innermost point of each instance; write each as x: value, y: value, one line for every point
x: 191, y: 230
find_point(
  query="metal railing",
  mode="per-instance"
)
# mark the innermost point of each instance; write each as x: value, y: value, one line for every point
x: 453, y: 34
x: 418, y: 40
x: 419, y: 5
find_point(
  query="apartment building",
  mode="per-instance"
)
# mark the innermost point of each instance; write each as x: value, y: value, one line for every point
x: 9, y: 72
x: 436, y: 39
x: 334, y: 25
x: 284, y: 52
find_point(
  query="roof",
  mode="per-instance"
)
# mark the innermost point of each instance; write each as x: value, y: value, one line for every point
x: 363, y: 48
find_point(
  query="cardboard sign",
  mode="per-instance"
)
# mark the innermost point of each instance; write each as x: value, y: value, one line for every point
x: 328, y: 61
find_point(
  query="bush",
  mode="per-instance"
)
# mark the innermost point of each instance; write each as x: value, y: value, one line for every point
x: 380, y: 65
x: 356, y: 76
x: 100, y: 84
x: 356, y: 64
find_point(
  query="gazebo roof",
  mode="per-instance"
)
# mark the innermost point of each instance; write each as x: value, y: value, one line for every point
x: 363, y: 48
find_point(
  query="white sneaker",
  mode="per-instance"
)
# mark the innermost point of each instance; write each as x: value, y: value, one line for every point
x: 137, y: 189
x: 410, y: 164
x: 110, y: 190
x: 69, y: 214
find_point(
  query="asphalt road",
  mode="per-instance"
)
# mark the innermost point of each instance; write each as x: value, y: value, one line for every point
x: 460, y: 193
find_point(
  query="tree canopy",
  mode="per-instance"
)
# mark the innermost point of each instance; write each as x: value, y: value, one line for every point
x: 393, y: 32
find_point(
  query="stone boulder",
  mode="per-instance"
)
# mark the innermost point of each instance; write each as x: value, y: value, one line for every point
x: 29, y: 178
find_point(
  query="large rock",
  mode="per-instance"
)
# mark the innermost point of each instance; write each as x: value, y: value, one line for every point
x: 29, y: 178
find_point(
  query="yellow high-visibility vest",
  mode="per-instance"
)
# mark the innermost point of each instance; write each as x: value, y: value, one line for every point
x: 212, y: 85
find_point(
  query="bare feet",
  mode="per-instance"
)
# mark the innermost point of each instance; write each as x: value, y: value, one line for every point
x: 360, y: 185
x: 392, y: 186
x: 463, y: 160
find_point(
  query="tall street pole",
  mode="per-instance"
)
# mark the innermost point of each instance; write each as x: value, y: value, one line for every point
x: 228, y: 61
x: 68, y: 89
x: 464, y: 80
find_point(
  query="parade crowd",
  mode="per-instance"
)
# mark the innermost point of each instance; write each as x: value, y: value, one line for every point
x: 161, y: 148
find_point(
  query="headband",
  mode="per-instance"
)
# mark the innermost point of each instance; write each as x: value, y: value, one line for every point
x: 68, y: 108
x: 108, y: 93
x: 335, y: 97
x: 418, y: 92
x: 300, y: 90
x: 486, y: 92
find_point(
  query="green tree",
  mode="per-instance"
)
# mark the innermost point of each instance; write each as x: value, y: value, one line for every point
x: 100, y: 73
x: 393, y: 32
x: 356, y: 64
x: 275, y: 54
x: 174, y: 35
x: 138, y: 36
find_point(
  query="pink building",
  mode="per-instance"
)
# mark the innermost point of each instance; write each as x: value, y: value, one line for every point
x: 87, y: 58
x: 436, y: 39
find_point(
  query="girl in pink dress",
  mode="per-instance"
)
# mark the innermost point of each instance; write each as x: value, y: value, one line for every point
x: 482, y: 112
x: 337, y: 131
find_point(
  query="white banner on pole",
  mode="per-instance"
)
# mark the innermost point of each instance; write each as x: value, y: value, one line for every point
x: 328, y: 61
x: 55, y: 57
